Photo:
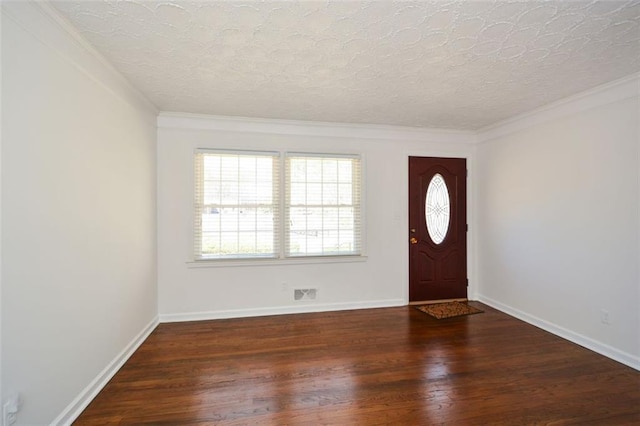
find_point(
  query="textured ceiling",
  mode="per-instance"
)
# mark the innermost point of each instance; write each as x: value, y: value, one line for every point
x: 441, y: 64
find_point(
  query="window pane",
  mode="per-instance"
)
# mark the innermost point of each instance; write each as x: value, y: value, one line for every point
x: 297, y: 244
x: 298, y: 194
x: 210, y: 220
x: 229, y: 243
x: 314, y: 170
x: 345, y: 171
x: 211, y: 242
x: 264, y: 191
x: 247, y: 242
x: 248, y: 192
x: 346, y: 218
x: 211, y: 192
x: 247, y: 219
x: 264, y: 242
x: 329, y: 194
x: 330, y: 241
x: 330, y: 218
x: 264, y: 168
x: 314, y: 193
x: 211, y: 168
x: 298, y: 170
x: 229, y: 168
x: 264, y: 219
x: 247, y: 169
x: 329, y: 171
x: 298, y: 218
x: 314, y: 244
x: 347, y: 241
x: 229, y: 191
x: 314, y: 218
x: 345, y: 194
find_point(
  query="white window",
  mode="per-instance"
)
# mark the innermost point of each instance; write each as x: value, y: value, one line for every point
x: 322, y: 209
x: 238, y: 203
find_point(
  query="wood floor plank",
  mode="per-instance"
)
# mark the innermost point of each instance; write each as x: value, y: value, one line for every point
x: 365, y: 367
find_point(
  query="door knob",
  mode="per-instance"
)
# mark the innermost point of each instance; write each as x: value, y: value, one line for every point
x: 413, y: 240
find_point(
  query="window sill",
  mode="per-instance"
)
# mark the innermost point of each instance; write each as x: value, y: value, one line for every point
x: 215, y: 263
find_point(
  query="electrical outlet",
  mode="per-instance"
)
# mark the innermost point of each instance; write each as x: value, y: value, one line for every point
x: 604, y: 317
x: 285, y: 286
x: 10, y: 410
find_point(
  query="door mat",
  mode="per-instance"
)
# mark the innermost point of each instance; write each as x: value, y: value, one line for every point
x: 448, y: 309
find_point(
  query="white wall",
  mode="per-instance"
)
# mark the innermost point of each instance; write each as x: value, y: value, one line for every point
x: 78, y: 215
x: 558, y: 208
x: 1, y: 394
x: 187, y: 292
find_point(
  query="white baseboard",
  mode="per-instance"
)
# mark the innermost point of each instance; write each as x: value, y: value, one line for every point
x: 81, y: 402
x: 283, y: 310
x: 601, y: 348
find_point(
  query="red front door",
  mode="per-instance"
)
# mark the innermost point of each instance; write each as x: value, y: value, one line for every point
x: 437, y: 228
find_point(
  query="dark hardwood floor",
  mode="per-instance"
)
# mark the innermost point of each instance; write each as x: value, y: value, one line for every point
x: 367, y: 367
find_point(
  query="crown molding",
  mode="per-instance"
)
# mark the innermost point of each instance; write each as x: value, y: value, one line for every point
x: 178, y: 120
x: 624, y: 88
x: 42, y: 21
x: 617, y: 90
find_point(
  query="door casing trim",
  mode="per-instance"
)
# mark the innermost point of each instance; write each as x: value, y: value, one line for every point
x: 467, y: 152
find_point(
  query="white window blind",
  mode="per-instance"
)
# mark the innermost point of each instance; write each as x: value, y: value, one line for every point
x: 236, y: 204
x: 322, y: 205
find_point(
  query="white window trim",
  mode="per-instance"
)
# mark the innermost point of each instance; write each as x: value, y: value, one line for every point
x: 302, y: 260
x: 282, y: 258
x: 286, y: 243
x: 277, y: 156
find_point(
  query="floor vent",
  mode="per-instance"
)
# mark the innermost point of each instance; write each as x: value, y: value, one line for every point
x: 305, y: 293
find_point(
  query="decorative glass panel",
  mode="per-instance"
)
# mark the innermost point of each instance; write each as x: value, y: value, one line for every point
x: 437, y: 209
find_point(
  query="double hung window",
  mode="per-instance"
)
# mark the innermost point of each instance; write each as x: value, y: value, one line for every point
x: 236, y: 204
x: 245, y: 208
x: 322, y: 205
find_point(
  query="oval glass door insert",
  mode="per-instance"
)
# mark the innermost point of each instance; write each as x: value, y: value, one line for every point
x: 437, y: 209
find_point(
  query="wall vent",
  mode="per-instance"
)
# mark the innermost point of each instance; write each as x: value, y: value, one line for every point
x: 305, y: 293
